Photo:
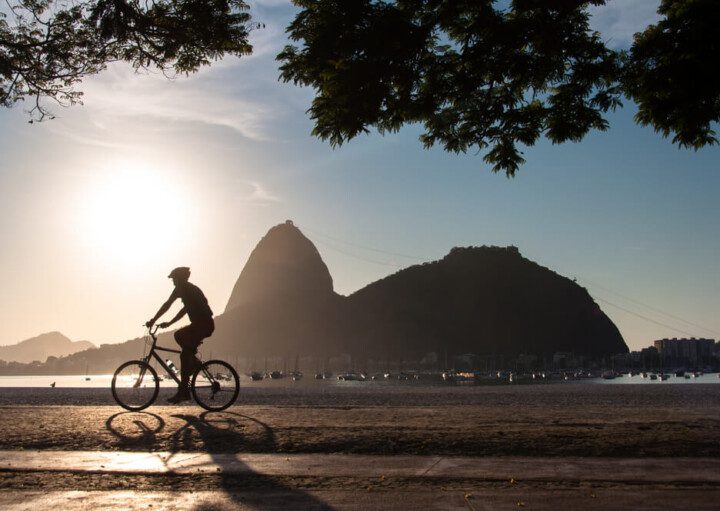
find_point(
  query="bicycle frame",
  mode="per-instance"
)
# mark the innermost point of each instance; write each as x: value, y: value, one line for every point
x: 153, y: 354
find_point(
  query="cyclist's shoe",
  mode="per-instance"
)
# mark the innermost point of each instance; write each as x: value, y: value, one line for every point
x: 182, y: 395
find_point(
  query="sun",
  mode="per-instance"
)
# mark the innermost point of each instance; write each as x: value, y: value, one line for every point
x: 134, y: 213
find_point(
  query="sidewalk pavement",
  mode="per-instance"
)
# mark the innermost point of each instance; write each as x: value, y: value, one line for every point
x: 78, y: 480
x: 474, y: 499
x: 636, y: 470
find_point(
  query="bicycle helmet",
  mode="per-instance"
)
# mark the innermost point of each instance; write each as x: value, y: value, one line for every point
x: 181, y: 272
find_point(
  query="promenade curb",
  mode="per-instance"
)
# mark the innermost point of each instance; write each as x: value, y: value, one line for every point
x: 638, y: 470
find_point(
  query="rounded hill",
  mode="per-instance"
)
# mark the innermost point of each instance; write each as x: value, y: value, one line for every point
x: 489, y: 301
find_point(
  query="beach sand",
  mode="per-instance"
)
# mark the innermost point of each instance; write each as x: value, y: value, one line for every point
x: 531, y: 420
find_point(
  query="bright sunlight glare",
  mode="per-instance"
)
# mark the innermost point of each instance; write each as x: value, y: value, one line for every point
x: 135, y: 215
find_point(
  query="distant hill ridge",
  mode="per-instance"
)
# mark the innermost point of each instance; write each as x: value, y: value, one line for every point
x: 41, y: 347
x: 482, y: 300
x: 489, y: 301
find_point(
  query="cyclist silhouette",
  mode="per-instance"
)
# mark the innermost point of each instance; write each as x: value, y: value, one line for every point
x: 195, y: 305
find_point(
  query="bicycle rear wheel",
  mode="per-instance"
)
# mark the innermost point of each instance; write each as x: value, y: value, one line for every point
x: 215, y: 386
x: 135, y: 385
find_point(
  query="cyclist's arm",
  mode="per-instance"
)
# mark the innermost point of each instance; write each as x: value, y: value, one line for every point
x: 177, y: 317
x: 163, y: 309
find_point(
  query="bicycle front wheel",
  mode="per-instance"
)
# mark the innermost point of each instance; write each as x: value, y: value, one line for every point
x: 135, y: 385
x: 215, y: 386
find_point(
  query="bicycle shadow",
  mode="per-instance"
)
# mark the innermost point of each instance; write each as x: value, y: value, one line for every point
x: 147, y: 431
x: 264, y: 492
x: 145, y: 436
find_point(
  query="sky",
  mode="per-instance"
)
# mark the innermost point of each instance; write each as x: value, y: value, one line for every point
x: 99, y: 204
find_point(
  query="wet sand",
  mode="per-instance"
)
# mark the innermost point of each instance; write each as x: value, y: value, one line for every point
x: 545, y: 420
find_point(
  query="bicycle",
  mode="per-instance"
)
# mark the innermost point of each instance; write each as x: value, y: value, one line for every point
x: 215, y: 385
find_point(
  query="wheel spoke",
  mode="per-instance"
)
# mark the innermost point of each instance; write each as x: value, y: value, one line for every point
x: 135, y: 385
x: 216, y: 385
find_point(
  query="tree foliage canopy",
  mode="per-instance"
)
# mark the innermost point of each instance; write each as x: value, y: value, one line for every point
x: 46, y: 46
x: 474, y: 75
x: 672, y: 72
x: 478, y: 75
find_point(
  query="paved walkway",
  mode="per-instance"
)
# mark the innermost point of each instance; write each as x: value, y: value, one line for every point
x: 360, y: 500
x: 644, y: 470
x: 102, y: 480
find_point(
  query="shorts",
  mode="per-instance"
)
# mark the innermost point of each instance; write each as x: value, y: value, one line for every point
x: 191, y: 336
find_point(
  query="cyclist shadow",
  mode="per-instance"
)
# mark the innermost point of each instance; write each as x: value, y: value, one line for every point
x: 254, y: 490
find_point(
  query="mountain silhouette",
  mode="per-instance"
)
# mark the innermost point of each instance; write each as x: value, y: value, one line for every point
x: 283, y: 303
x: 482, y: 300
x: 489, y: 301
x: 283, y: 265
x: 41, y: 347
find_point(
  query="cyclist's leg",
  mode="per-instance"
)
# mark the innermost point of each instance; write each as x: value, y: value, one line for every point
x: 189, y: 361
x: 191, y: 337
x: 187, y: 339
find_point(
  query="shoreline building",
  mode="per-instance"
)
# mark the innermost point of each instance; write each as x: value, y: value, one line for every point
x: 690, y: 351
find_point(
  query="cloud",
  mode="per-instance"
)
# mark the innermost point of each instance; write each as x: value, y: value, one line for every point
x: 257, y: 193
x: 193, y: 99
x: 619, y: 20
x: 120, y: 101
x: 241, y: 94
x: 75, y: 127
